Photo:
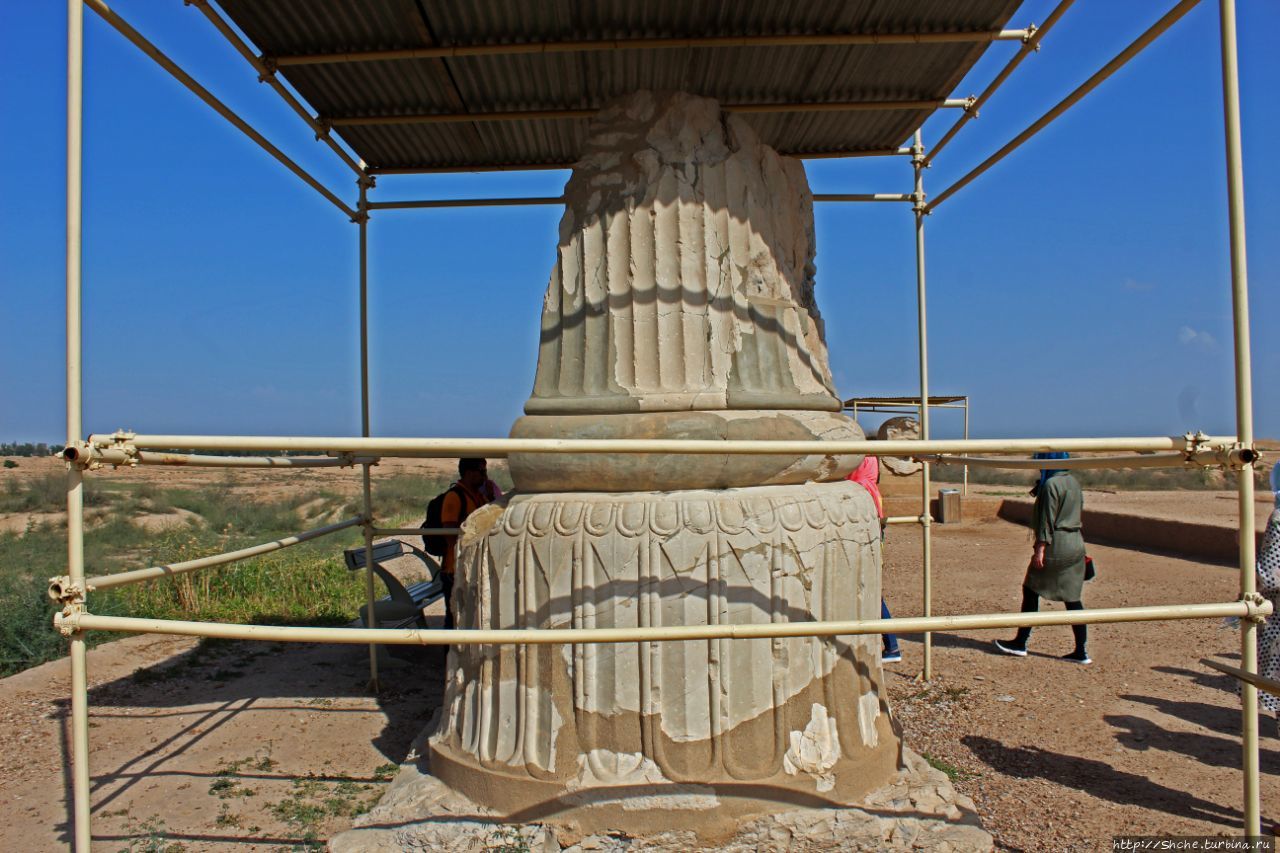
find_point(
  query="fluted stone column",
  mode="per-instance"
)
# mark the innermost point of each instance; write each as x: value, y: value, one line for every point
x: 681, y: 306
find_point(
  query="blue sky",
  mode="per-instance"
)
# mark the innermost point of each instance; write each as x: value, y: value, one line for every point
x: 1079, y: 288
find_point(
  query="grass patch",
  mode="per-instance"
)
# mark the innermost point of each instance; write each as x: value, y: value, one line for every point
x: 404, y: 497
x: 151, y: 836
x: 306, y: 584
x: 954, y: 773
x: 311, y: 802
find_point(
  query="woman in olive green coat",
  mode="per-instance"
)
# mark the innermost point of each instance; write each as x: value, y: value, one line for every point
x: 1057, y: 564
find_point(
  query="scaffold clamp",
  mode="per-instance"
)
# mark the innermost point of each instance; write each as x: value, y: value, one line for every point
x: 70, y: 594
x: 1259, y: 607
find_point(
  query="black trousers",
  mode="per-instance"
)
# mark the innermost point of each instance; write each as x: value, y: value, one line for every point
x: 1031, y: 604
x: 446, y: 585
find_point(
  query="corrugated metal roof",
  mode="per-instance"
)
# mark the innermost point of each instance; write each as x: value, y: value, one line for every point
x: 586, y: 80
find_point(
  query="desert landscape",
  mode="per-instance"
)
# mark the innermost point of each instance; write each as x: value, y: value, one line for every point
x: 240, y: 746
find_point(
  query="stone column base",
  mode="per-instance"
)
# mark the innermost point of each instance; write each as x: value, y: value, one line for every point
x: 918, y: 810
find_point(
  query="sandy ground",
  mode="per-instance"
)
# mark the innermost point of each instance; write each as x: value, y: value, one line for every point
x: 243, y: 747
x: 1057, y: 756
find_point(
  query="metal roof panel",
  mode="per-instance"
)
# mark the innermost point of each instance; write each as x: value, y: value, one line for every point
x: 588, y: 79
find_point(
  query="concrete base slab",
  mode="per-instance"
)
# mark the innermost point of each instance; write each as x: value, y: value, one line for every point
x: 918, y: 810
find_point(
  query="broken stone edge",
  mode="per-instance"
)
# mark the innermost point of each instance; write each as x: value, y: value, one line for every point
x: 918, y: 810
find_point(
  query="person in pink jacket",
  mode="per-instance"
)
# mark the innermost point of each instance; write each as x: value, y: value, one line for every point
x: 867, y: 475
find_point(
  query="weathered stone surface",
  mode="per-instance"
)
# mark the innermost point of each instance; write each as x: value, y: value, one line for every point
x: 681, y: 306
x: 683, y: 284
x: 901, y: 428
x: 917, y: 810
x: 630, y: 726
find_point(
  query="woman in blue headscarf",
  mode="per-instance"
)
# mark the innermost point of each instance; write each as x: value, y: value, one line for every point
x: 1056, y: 571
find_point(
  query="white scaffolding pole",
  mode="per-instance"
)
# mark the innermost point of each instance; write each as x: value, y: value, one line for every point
x: 1244, y: 407
x: 75, y: 476
x: 926, y: 528
x: 362, y: 220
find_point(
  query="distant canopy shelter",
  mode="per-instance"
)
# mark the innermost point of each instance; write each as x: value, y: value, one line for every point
x: 907, y: 406
x: 911, y: 406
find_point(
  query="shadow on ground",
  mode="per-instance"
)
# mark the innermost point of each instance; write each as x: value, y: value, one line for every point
x: 216, y: 682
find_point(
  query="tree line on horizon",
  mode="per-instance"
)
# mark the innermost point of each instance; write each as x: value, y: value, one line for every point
x: 27, y: 448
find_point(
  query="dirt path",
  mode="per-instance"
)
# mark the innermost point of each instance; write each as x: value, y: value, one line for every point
x: 1059, y: 756
x: 236, y: 746
x: 244, y: 747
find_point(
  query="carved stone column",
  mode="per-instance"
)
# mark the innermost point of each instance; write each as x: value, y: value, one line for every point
x: 681, y: 306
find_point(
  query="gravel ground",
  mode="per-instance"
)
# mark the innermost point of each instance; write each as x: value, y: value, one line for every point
x: 1059, y: 756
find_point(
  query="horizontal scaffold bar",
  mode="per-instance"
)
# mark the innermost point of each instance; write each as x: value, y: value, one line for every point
x: 89, y: 455
x: 267, y: 75
x: 123, y: 27
x: 1261, y: 681
x: 1029, y: 46
x: 581, y: 113
x: 556, y: 199
x: 564, y: 636
x: 417, y: 531
x: 1144, y: 460
x: 569, y: 164
x: 500, y: 447
x: 1157, y: 29
x: 600, y: 45
x: 137, y: 575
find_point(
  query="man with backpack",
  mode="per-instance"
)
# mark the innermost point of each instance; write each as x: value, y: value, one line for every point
x: 450, y: 509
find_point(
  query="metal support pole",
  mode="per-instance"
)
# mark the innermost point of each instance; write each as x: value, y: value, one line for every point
x: 966, y: 438
x: 205, y: 95
x: 1156, y: 30
x: 666, y: 43
x: 926, y: 528
x: 501, y: 448
x: 267, y: 75
x: 389, y: 119
x: 1244, y: 407
x: 662, y: 633
x: 1030, y: 45
x: 75, y: 477
x: 362, y: 220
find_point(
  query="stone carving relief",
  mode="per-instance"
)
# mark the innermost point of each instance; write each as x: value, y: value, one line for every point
x: 681, y: 305
x: 793, y: 711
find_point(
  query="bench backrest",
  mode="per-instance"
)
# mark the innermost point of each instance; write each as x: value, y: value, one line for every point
x: 387, y: 549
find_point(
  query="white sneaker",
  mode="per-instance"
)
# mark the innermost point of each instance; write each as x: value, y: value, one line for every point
x: 1007, y: 647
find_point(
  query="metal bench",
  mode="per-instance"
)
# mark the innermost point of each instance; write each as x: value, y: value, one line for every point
x: 403, y: 607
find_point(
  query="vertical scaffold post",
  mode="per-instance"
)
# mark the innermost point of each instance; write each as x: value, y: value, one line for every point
x: 926, y: 540
x: 1244, y: 405
x: 966, y: 438
x: 362, y: 220
x: 75, y: 477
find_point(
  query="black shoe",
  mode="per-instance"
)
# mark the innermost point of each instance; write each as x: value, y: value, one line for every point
x: 1079, y: 656
x: 1011, y: 647
x: 891, y: 656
